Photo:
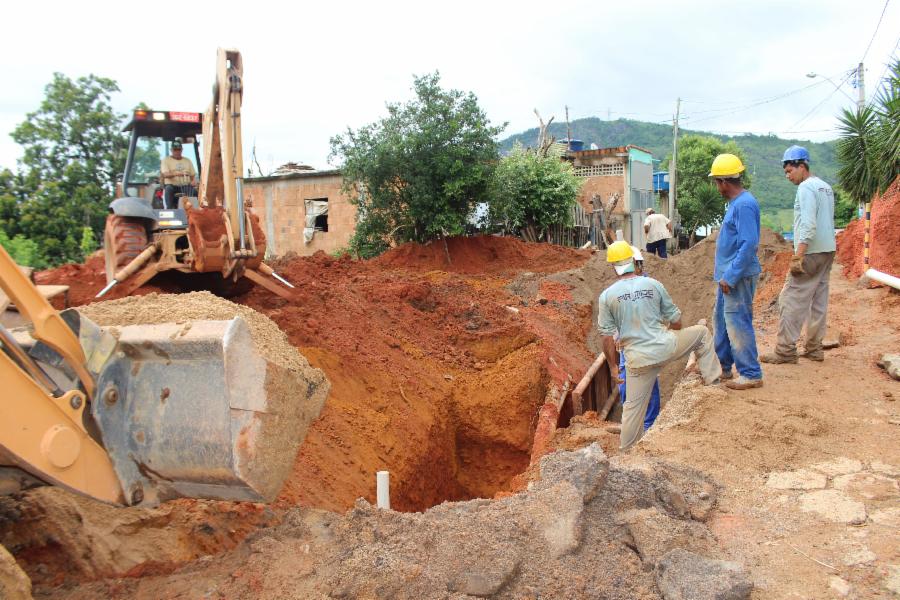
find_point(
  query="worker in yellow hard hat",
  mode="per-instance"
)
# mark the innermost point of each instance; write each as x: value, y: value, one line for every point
x: 640, y: 312
x: 736, y: 272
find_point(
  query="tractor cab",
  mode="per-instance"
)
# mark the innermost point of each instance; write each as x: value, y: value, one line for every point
x: 152, y: 136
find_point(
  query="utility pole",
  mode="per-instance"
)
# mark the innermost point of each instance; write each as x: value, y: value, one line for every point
x: 673, y: 166
x: 568, y: 131
x: 861, y: 86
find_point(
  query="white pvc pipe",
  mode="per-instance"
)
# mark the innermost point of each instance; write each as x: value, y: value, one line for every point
x: 383, y: 489
x: 883, y: 278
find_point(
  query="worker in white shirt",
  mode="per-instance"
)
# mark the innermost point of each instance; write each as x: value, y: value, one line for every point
x: 658, y: 229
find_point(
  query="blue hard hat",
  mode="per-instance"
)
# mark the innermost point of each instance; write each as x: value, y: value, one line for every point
x: 795, y: 153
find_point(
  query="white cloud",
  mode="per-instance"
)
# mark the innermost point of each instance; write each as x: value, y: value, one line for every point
x: 314, y: 69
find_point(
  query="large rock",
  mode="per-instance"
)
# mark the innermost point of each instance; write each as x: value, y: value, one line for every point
x: 867, y: 486
x: 839, y: 466
x: 683, y: 575
x: 655, y: 533
x: 891, y: 364
x: 586, y: 469
x: 797, y: 480
x: 14, y: 583
x: 835, y: 506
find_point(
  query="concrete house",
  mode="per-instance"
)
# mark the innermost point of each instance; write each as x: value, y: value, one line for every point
x: 303, y: 211
x: 623, y: 170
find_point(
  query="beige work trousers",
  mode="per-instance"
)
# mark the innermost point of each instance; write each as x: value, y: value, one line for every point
x: 804, y: 299
x: 639, y: 383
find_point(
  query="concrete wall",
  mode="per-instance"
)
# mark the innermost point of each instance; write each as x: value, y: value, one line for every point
x: 279, y: 202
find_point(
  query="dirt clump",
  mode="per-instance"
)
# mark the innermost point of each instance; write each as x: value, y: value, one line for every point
x: 572, y: 535
x: 885, y: 237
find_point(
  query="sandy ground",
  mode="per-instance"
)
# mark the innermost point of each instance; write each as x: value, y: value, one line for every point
x: 838, y: 419
x: 467, y: 365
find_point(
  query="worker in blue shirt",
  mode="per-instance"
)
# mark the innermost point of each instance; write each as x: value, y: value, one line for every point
x: 736, y: 273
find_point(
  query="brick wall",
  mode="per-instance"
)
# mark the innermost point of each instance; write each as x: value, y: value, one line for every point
x: 280, y: 203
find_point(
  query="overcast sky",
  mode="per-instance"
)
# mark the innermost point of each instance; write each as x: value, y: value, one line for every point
x: 312, y: 69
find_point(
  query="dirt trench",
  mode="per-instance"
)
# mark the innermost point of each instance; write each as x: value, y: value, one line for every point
x: 437, y: 372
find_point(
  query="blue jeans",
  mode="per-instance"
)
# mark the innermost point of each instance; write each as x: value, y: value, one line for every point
x: 734, y: 339
x: 653, y: 407
x: 658, y: 248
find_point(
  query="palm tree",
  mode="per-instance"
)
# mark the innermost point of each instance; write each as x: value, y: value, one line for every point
x: 869, y: 146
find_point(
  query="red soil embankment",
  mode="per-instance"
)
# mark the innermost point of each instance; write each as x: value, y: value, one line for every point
x: 884, y: 246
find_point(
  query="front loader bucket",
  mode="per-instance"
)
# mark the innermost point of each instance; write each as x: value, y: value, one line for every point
x: 193, y: 410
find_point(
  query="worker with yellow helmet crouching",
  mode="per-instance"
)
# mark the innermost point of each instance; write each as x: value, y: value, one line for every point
x: 641, y: 313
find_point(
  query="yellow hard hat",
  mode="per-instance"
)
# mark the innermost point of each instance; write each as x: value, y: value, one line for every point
x: 726, y: 165
x: 619, y: 251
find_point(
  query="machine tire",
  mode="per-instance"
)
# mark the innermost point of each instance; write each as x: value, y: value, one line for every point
x: 123, y: 239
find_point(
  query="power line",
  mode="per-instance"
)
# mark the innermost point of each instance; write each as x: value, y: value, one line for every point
x: 819, y: 105
x: 753, y: 104
x: 874, y: 33
x: 887, y: 65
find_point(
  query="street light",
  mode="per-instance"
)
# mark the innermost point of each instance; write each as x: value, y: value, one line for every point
x: 836, y: 86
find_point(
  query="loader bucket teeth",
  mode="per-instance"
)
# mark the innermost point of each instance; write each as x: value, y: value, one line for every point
x: 192, y: 410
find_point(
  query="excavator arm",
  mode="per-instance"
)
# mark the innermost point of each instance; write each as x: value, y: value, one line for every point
x: 41, y: 426
x: 138, y: 414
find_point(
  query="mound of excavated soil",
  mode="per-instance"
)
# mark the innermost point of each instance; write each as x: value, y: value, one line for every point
x: 884, y: 246
x: 483, y: 254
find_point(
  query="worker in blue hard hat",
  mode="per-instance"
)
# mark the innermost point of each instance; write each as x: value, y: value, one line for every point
x: 804, y: 298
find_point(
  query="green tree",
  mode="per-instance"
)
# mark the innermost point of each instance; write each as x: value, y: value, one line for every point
x: 699, y: 203
x: 74, y: 150
x: 531, y: 192
x: 844, y: 208
x: 868, y: 150
x: 422, y: 168
x: 23, y: 250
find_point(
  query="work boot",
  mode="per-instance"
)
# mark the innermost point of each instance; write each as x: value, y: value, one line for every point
x: 742, y: 383
x: 816, y: 355
x: 729, y: 374
x: 777, y: 359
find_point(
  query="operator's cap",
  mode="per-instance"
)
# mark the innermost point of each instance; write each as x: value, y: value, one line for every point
x: 176, y: 145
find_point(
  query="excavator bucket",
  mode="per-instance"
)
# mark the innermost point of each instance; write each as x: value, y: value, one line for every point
x: 193, y: 410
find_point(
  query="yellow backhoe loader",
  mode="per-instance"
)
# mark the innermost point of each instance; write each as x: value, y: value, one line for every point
x: 212, y: 232
x: 139, y: 414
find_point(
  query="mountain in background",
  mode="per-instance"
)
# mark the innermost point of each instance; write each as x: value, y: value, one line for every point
x: 763, y: 153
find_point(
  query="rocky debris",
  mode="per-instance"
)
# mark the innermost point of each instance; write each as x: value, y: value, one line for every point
x: 835, y: 506
x: 867, y: 486
x: 888, y: 516
x: 654, y: 533
x: 681, y: 491
x: 683, y: 575
x: 892, y: 581
x: 63, y: 532
x: 831, y: 344
x: 797, y: 480
x: 586, y: 469
x: 859, y: 555
x: 839, y: 586
x: 891, y: 364
x: 839, y: 466
x: 885, y: 469
x: 14, y: 583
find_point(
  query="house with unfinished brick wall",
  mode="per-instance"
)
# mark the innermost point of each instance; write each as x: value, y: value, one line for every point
x: 623, y: 170
x: 302, y: 212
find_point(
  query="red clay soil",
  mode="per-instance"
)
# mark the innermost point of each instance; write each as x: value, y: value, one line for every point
x: 437, y: 372
x: 885, y: 237
x: 484, y: 255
